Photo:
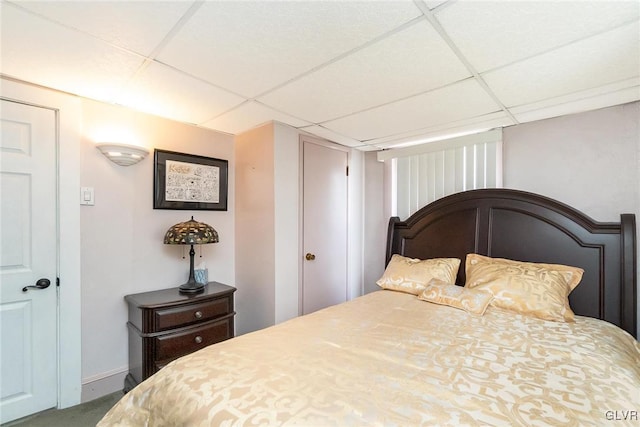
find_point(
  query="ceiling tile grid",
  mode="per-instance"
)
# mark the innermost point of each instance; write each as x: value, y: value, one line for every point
x: 615, y: 94
x: 447, y: 130
x: 135, y: 25
x: 249, y: 115
x: 42, y: 52
x: 334, y: 136
x: 163, y: 91
x: 632, y: 85
x: 409, y: 62
x: 250, y: 47
x: 455, y: 102
x: 586, y: 64
x: 367, y: 74
x: 491, y: 34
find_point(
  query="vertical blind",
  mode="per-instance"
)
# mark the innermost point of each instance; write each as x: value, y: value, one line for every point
x: 430, y: 171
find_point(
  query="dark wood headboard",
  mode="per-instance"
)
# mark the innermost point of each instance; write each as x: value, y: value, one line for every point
x: 523, y: 226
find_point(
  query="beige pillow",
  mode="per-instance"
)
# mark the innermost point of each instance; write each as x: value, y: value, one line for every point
x: 410, y: 275
x: 539, y: 290
x: 470, y: 300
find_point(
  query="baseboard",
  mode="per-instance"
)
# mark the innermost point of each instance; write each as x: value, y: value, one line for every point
x: 102, y: 384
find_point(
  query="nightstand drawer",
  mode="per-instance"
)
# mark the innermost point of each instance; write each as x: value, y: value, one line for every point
x: 181, y: 316
x: 166, y: 324
x: 174, y: 345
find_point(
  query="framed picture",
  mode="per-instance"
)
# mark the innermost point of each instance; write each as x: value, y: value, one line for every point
x: 189, y: 182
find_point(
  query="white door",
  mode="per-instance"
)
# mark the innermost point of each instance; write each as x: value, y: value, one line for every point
x: 324, y: 280
x: 28, y: 253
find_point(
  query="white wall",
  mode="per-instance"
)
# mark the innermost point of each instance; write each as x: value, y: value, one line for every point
x: 590, y: 161
x: 122, y: 235
x: 376, y: 222
x: 355, y: 231
x: 286, y: 177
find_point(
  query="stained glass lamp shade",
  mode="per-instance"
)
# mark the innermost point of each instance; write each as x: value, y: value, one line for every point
x: 191, y: 233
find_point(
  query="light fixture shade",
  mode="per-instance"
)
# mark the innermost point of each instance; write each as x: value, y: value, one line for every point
x: 122, y: 154
x: 191, y: 232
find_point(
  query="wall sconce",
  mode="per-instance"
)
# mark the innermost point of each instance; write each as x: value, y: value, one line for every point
x: 122, y: 154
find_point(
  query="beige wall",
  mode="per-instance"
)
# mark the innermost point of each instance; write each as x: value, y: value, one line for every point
x: 122, y: 235
x: 268, y: 258
x: 286, y: 220
x: 254, y: 232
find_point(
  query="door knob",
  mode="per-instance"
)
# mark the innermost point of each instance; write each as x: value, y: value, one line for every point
x: 310, y: 257
x: 40, y: 284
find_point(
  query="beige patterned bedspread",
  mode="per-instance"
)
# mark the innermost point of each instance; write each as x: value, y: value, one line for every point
x: 389, y: 359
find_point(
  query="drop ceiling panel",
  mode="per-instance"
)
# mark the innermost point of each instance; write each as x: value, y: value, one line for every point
x: 445, y: 131
x: 594, y: 102
x: 250, y: 47
x: 165, y: 92
x: 409, y: 62
x: 432, y: 4
x: 332, y: 136
x: 593, y: 62
x: 495, y: 33
x: 369, y: 147
x: 249, y: 115
x: 136, y: 25
x: 599, y: 92
x: 41, y: 52
x: 370, y: 72
x: 456, y: 102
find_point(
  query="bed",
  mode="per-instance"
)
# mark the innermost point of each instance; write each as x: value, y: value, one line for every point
x: 396, y: 358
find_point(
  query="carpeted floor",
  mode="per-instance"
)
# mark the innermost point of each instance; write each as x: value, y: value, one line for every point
x: 85, y: 415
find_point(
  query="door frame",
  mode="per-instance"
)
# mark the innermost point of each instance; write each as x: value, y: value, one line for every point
x: 67, y: 110
x: 332, y: 145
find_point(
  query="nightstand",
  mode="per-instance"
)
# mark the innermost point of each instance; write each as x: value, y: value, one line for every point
x: 165, y: 325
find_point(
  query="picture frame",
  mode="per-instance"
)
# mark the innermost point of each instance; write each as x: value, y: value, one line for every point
x: 189, y: 182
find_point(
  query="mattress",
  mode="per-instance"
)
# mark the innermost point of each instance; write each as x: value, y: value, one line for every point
x: 390, y: 359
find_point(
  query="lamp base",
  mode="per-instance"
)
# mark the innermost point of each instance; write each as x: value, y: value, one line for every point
x: 191, y: 288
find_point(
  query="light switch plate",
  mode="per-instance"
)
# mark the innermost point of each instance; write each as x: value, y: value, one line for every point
x: 86, y: 196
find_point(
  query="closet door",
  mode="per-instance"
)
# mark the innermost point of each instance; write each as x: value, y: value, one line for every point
x: 28, y: 260
x: 324, y: 278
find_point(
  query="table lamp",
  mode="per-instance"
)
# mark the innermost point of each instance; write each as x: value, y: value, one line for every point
x: 191, y: 233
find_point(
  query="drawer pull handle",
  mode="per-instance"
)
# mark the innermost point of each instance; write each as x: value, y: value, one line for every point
x: 198, y: 339
x: 198, y: 314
